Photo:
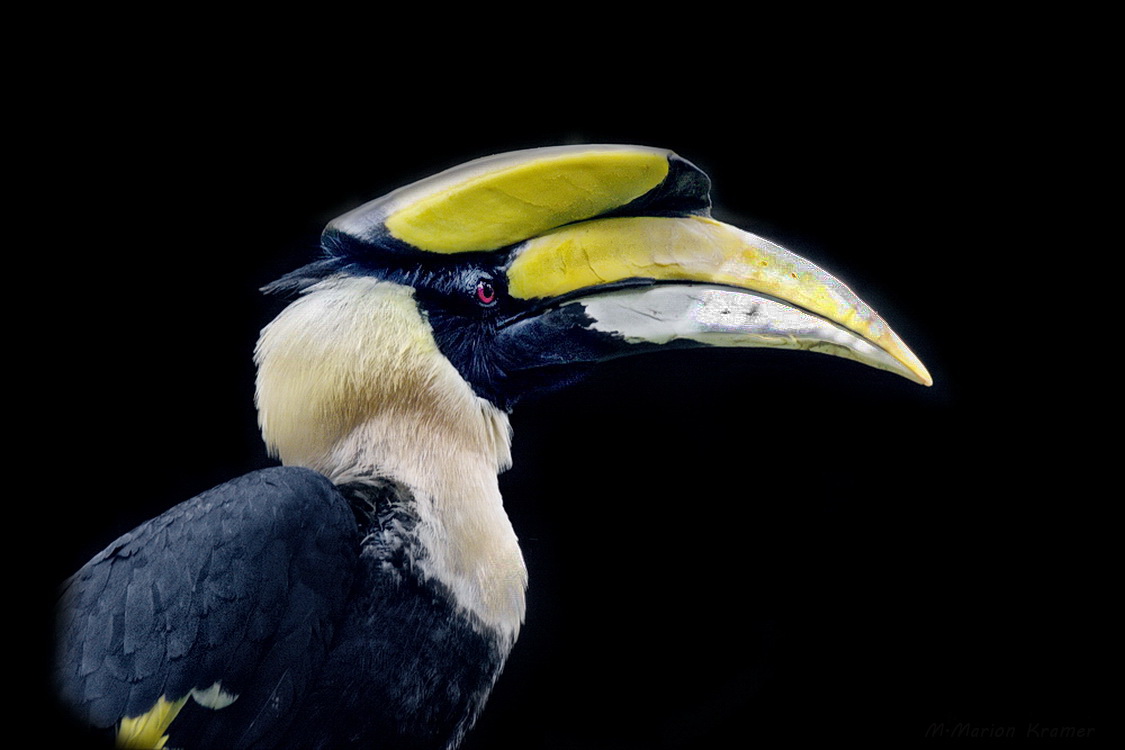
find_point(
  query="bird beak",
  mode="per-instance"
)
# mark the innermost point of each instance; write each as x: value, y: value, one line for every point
x: 610, y: 287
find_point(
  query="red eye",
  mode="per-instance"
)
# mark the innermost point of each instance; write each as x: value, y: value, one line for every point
x: 486, y: 293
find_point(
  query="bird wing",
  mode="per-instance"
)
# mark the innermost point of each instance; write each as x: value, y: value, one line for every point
x: 212, y: 614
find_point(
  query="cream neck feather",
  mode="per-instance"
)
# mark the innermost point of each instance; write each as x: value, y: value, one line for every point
x: 350, y: 382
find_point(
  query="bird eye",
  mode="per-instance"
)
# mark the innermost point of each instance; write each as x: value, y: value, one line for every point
x: 486, y: 292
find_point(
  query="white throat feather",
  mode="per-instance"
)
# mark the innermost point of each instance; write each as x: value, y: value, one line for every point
x: 351, y: 383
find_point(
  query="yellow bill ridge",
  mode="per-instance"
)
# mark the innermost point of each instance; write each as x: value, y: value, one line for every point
x: 498, y: 201
x: 801, y: 298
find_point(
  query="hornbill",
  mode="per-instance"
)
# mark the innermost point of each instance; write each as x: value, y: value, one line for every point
x: 368, y: 591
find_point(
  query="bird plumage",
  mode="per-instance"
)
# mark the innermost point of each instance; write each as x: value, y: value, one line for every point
x: 240, y: 586
x: 369, y: 591
x: 266, y: 600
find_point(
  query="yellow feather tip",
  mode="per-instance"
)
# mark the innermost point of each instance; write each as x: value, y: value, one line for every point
x: 148, y: 730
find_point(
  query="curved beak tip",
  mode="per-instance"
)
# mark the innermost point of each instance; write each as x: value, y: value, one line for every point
x: 919, y: 374
x: 907, y: 362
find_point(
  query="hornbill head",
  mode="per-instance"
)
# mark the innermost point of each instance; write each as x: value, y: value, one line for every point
x: 516, y: 272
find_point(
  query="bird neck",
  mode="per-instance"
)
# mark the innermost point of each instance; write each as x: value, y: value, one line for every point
x: 465, y: 539
x: 352, y: 384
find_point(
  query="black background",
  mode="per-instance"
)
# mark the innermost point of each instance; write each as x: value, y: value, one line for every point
x: 726, y: 549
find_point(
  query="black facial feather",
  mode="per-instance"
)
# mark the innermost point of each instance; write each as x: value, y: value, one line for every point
x: 463, y: 298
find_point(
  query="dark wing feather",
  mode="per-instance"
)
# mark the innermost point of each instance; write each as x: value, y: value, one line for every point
x: 239, y: 586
